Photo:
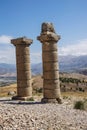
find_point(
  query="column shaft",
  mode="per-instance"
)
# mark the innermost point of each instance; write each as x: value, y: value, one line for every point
x: 23, y: 71
x: 24, y: 89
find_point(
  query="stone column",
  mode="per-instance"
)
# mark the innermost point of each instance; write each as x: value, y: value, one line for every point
x: 51, y: 87
x: 24, y: 89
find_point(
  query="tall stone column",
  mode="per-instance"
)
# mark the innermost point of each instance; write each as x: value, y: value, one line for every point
x: 51, y: 86
x: 24, y: 89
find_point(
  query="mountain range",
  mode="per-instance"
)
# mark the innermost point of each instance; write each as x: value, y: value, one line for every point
x: 72, y: 63
x: 7, y: 69
x: 66, y: 64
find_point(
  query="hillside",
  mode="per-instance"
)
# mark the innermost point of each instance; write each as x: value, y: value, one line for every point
x: 69, y: 82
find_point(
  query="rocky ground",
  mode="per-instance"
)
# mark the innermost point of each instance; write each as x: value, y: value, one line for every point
x: 16, y: 115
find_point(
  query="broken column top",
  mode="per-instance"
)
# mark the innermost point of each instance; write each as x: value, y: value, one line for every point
x: 21, y: 40
x: 48, y: 33
x: 47, y: 27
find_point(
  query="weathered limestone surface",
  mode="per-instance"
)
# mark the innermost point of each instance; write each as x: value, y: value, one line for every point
x: 24, y: 89
x: 51, y: 84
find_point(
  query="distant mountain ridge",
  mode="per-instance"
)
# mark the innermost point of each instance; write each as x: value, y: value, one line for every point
x: 72, y: 63
x: 7, y: 69
x: 66, y: 64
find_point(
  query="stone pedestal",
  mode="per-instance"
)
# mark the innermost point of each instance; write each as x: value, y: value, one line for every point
x: 51, y: 86
x: 24, y: 89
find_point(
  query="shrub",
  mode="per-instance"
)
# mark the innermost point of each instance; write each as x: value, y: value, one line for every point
x: 39, y: 90
x: 65, y: 97
x: 85, y: 99
x: 30, y: 99
x: 80, y: 89
x: 85, y: 104
x: 79, y: 105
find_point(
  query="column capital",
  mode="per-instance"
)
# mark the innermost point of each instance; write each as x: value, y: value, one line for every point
x: 48, y: 33
x: 49, y: 36
x: 21, y: 41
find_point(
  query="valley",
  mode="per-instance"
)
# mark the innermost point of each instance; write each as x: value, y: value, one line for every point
x: 69, y: 82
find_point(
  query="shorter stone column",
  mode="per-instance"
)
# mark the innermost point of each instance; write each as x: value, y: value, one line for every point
x: 51, y: 86
x: 24, y: 89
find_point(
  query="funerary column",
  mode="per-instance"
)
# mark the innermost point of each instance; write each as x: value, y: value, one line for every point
x: 24, y: 89
x: 51, y: 86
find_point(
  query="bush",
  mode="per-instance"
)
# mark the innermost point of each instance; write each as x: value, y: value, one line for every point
x: 79, y: 105
x: 39, y: 90
x: 65, y: 97
x: 30, y: 99
x: 80, y: 89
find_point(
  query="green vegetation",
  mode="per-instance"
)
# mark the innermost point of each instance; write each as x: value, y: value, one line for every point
x: 73, y: 84
x: 80, y: 89
x: 30, y: 99
x: 39, y: 90
x: 65, y: 97
x: 79, y: 105
x: 69, y: 80
x: 82, y: 105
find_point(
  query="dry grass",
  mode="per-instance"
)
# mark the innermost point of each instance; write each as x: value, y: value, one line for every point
x: 4, y: 90
x: 75, y: 94
x: 37, y: 83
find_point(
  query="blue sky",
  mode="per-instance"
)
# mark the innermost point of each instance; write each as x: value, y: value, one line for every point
x: 24, y: 18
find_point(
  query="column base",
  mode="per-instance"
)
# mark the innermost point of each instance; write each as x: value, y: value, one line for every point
x: 48, y: 100
x: 21, y: 98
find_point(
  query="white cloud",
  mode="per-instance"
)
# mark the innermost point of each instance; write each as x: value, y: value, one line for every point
x: 36, y: 57
x: 5, y: 39
x: 7, y: 51
x: 7, y: 55
x: 78, y: 48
